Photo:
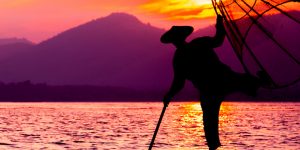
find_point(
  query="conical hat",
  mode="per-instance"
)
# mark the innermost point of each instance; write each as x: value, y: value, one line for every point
x: 175, y: 33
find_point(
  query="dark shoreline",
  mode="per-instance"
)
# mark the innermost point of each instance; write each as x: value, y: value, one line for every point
x: 42, y: 92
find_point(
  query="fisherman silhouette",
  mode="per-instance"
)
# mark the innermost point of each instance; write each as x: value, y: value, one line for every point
x: 196, y: 61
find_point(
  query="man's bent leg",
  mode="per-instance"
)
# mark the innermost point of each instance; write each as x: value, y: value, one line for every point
x: 210, y: 107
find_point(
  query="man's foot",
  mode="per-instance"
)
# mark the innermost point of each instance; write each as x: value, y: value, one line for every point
x: 264, y: 78
x: 252, y: 84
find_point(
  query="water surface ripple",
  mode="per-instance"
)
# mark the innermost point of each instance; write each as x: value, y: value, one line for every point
x: 128, y: 126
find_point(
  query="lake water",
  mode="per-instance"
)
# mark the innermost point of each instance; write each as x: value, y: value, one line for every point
x: 106, y: 126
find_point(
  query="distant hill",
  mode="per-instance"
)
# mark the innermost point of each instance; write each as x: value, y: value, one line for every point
x: 113, y: 51
x: 8, y: 41
x: 117, y: 50
x: 13, y: 46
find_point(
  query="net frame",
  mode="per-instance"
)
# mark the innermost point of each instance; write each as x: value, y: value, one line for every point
x: 237, y: 38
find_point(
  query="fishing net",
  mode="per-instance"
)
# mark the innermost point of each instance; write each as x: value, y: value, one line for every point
x: 265, y: 35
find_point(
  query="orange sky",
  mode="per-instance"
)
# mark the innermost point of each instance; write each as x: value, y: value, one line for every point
x: 38, y: 20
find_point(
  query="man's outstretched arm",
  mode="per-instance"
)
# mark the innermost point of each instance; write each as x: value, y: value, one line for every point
x: 220, y: 32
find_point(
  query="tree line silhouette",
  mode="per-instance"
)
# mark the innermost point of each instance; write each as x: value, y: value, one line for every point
x: 27, y: 91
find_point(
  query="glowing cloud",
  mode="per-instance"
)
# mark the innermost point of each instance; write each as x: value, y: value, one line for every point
x: 201, y: 9
x: 181, y: 9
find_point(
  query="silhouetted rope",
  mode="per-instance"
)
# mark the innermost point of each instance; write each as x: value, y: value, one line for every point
x: 263, y: 29
x: 238, y: 40
x: 229, y: 39
x: 249, y: 49
x: 280, y: 10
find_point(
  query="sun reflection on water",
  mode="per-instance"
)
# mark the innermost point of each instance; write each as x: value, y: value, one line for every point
x: 190, y: 123
x: 190, y: 115
x: 186, y: 124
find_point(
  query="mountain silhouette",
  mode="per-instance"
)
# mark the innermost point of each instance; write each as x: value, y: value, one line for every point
x: 8, y: 41
x: 115, y: 51
x: 14, y: 46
